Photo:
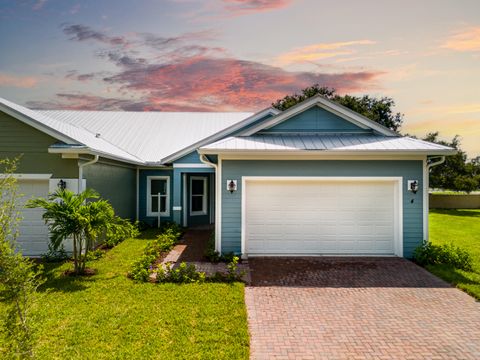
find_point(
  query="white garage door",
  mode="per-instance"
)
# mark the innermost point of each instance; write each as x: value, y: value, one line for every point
x: 33, y: 233
x: 295, y: 217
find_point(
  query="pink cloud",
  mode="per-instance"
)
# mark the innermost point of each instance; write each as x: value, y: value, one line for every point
x: 18, y: 81
x: 464, y: 40
x: 240, y: 7
x: 185, y: 75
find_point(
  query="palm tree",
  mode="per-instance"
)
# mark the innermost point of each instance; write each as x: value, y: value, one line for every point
x: 70, y: 215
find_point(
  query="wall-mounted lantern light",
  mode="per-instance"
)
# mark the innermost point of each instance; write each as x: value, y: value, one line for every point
x: 412, y: 186
x: 62, y: 184
x: 232, y: 185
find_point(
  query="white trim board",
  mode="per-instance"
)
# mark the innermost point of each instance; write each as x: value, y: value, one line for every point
x: 149, y: 198
x: 27, y: 176
x: 204, y: 179
x: 398, y: 201
x: 193, y: 166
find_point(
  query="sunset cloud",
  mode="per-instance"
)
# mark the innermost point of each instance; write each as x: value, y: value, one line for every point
x: 241, y: 7
x: 316, y: 52
x: 183, y: 74
x: 208, y: 84
x: 465, y: 40
x: 84, y: 33
x: 18, y: 81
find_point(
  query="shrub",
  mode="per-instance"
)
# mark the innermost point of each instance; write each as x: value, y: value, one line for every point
x: 451, y: 255
x: 120, y: 230
x: 187, y: 273
x: 144, y: 266
x: 55, y: 255
x: 184, y: 273
x: 214, y: 256
x: 95, y: 254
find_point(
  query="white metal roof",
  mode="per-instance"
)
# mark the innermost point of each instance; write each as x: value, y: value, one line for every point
x: 149, y: 136
x: 330, y: 143
x: 66, y: 132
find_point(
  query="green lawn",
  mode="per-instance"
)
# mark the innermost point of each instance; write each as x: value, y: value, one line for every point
x: 462, y: 228
x: 108, y: 316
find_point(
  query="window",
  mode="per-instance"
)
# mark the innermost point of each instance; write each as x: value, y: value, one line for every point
x: 198, y: 195
x: 158, y: 185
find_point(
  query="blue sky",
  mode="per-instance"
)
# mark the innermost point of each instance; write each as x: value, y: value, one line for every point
x: 181, y: 55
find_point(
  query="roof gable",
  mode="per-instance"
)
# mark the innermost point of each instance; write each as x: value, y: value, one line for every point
x: 330, y: 106
x: 315, y: 120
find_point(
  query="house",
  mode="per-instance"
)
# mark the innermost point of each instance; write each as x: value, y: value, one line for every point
x: 315, y: 179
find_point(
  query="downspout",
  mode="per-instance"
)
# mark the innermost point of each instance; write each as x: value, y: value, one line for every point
x: 137, y: 194
x: 435, y: 163
x: 204, y: 160
x: 80, y: 172
x: 427, y: 187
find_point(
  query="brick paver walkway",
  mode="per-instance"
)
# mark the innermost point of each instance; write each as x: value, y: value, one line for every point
x: 357, y: 308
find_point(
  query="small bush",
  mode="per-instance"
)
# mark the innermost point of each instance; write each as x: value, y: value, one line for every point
x: 95, y: 254
x: 144, y: 266
x: 55, y: 255
x: 183, y: 274
x: 450, y: 255
x: 120, y: 230
x: 214, y: 256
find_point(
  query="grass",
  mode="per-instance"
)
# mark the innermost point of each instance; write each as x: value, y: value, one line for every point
x: 108, y: 316
x: 462, y: 228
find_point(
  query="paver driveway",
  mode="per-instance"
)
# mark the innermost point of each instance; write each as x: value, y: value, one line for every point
x: 356, y: 308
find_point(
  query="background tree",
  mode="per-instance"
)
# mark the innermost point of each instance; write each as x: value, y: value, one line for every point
x: 19, y: 277
x: 379, y: 110
x: 455, y: 173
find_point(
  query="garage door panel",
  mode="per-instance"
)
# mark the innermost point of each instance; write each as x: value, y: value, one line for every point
x: 33, y: 235
x: 315, y: 217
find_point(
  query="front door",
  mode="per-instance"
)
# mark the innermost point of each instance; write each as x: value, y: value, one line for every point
x: 198, y: 201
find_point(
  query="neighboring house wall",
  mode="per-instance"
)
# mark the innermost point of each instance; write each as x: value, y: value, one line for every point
x: 235, y: 169
x: 471, y: 201
x: 316, y: 120
x: 116, y: 183
x: 17, y: 138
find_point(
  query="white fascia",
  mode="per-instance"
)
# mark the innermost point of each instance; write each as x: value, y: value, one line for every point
x: 84, y: 150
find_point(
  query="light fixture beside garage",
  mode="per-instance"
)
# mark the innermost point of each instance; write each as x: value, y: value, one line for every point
x: 413, y: 186
x: 62, y: 184
x: 232, y: 185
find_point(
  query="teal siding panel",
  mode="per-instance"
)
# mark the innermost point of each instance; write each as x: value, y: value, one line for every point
x: 268, y: 116
x: 116, y: 184
x: 315, y: 120
x: 409, y: 170
x: 191, y: 158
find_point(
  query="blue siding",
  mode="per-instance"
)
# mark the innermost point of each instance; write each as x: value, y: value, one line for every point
x: 315, y: 120
x: 192, y: 158
x: 409, y: 170
x: 263, y: 118
x: 143, y: 194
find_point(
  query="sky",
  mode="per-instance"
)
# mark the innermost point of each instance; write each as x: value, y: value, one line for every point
x: 242, y: 55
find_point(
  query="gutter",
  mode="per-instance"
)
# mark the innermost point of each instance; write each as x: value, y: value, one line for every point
x: 435, y: 163
x: 80, y: 171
